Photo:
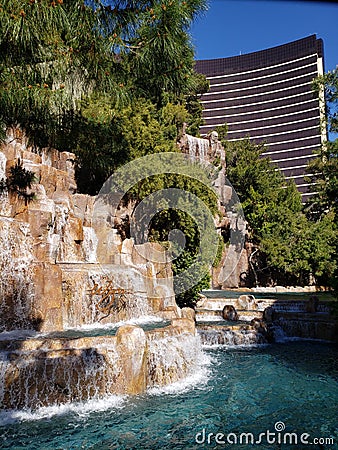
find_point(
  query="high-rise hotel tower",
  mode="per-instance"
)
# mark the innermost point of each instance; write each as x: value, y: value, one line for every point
x: 267, y: 96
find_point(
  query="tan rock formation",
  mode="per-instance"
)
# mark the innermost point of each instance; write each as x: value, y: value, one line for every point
x: 62, y: 259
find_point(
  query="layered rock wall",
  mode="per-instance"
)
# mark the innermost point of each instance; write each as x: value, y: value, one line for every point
x: 61, y: 264
x: 233, y: 269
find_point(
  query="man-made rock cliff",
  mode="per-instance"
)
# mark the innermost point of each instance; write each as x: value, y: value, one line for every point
x: 60, y: 266
x: 64, y: 269
x: 233, y: 269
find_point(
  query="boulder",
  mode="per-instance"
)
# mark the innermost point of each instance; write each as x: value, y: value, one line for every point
x: 246, y: 302
x: 131, y: 347
x: 188, y: 313
x: 312, y: 304
x: 229, y: 313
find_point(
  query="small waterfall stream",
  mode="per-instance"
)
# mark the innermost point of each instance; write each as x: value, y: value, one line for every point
x: 45, y: 376
x: 16, y: 275
x: 230, y: 336
x: 198, y: 148
x: 3, y: 370
x: 184, y: 357
x: 89, y: 245
x: 3, y: 161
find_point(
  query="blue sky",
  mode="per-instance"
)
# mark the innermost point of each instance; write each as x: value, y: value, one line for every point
x: 232, y: 27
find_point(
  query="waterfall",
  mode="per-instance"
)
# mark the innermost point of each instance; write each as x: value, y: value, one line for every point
x: 16, y: 288
x: 65, y: 250
x: 230, y: 336
x: 102, y: 294
x: 198, y: 148
x: 52, y: 377
x: 3, y: 161
x: 289, y: 306
x: 89, y: 245
x: 305, y: 328
x: 121, y: 306
x: 118, y: 285
x: 172, y: 358
x: 3, y: 370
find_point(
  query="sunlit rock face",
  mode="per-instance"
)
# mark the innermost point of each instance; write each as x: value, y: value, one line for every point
x: 61, y: 264
x: 233, y: 269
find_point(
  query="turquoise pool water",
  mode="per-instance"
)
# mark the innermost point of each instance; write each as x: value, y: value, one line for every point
x: 257, y: 390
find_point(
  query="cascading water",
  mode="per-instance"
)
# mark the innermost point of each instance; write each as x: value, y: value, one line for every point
x: 3, y: 161
x: 46, y: 376
x: 3, y: 370
x: 165, y: 366
x: 316, y: 327
x: 16, y: 289
x: 89, y: 245
x: 230, y: 336
x: 44, y: 371
x: 112, y: 293
x: 198, y: 148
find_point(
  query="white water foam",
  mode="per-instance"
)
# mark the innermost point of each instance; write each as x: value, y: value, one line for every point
x: 198, y: 148
x: 232, y: 346
x: 82, y: 409
x: 142, y: 320
x: 208, y: 318
x: 198, y: 379
x: 89, y: 245
x: 17, y: 335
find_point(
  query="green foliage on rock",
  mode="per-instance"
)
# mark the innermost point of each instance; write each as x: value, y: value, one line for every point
x: 185, y: 255
x: 19, y: 181
x: 191, y: 217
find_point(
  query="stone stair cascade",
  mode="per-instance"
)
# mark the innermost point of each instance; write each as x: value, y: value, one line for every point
x: 248, y: 327
x: 231, y: 335
x: 275, y: 319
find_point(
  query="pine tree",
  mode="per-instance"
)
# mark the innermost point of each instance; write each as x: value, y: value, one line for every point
x: 55, y: 54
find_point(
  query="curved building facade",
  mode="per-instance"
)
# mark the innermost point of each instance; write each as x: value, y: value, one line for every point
x: 267, y: 96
